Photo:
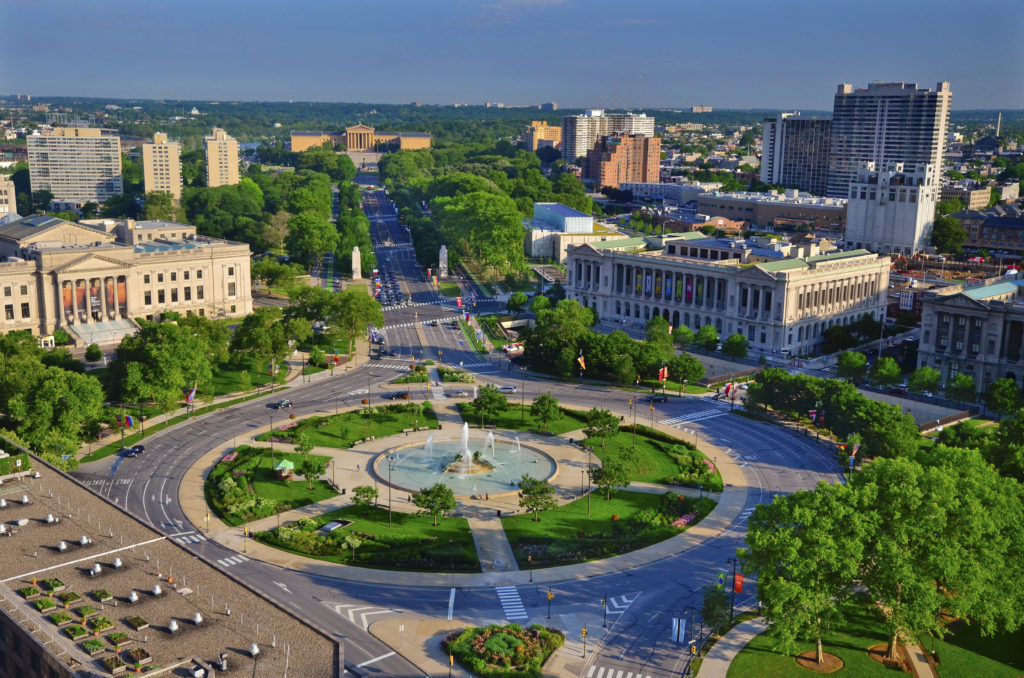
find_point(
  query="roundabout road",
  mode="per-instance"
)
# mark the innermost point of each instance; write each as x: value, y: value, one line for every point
x: 643, y: 600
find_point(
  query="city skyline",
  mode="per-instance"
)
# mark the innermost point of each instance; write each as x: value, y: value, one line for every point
x: 788, y: 55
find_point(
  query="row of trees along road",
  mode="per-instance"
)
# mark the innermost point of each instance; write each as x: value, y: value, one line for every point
x: 928, y: 534
x: 563, y: 333
x: 473, y: 197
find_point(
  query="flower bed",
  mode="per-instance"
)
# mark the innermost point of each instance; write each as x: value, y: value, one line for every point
x: 92, y: 647
x: 54, y: 585
x: 86, y: 611
x: 102, y: 595
x: 44, y: 604
x: 61, y: 618
x: 119, y: 639
x: 100, y: 624
x: 76, y: 631
x: 29, y: 592
x: 137, y: 623
x: 504, y: 650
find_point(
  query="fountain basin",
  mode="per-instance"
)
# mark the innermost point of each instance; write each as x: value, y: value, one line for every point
x: 414, y: 468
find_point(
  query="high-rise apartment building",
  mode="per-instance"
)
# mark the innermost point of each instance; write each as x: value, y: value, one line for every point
x: 161, y: 165
x: 891, y: 209
x: 8, y: 198
x: 76, y: 164
x: 581, y: 132
x: 794, y: 151
x: 887, y: 122
x: 221, y: 159
x: 624, y: 157
x: 539, y: 133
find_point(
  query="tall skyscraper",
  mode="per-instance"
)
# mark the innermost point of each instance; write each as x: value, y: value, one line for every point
x: 76, y: 164
x: 581, y: 132
x: 887, y: 122
x: 221, y: 158
x: 540, y: 133
x: 891, y: 209
x: 624, y: 157
x: 161, y: 165
x: 794, y: 151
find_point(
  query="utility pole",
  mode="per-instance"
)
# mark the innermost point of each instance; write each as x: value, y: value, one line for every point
x: 550, y: 596
x: 732, y: 606
x: 389, y: 489
x: 589, y: 451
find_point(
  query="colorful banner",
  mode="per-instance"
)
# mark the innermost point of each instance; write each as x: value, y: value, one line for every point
x: 582, y: 362
x: 737, y: 583
x: 679, y: 289
x: 689, y: 290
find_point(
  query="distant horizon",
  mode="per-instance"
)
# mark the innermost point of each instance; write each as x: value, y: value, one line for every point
x: 786, y: 55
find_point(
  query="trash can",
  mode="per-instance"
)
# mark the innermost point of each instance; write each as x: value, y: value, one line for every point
x: 499, y: 513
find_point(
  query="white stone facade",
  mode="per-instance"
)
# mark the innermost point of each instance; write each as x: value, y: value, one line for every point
x: 891, y: 210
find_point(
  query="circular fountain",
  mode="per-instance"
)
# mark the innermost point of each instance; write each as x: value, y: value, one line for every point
x: 493, y: 466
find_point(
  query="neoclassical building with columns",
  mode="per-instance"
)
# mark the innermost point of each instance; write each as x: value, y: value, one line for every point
x: 782, y: 297
x: 93, y: 279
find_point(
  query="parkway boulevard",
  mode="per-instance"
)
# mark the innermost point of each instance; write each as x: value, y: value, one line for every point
x: 644, y: 600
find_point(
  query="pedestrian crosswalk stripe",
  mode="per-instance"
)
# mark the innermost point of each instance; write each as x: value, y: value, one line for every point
x: 236, y: 559
x: 602, y: 672
x: 693, y: 416
x: 511, y: 603
x: 189, y: 539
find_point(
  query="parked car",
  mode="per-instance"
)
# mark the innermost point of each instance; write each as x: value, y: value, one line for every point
x: 137, y: 450
x: 657, y: 398
x: 433, y: 323
x: 282, y: 404
x: 457, y: 394
x: 507, y: 388
x: 397, y: 395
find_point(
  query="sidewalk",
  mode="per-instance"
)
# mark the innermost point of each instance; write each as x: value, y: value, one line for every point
x: 719, y: 657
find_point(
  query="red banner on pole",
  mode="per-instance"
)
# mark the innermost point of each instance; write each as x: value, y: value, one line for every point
x: 737, y: 583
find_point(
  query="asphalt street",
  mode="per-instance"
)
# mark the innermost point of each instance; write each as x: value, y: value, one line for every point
x: 637, y: 636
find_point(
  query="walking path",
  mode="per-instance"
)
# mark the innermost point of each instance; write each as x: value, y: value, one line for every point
x: 719, y: 657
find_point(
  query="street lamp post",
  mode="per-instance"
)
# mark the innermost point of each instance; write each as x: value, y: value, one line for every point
x: 732, y: 605
x: 522, y: 397
x: 389, y: 489
x: 271, y: 433
x: 589, y: 450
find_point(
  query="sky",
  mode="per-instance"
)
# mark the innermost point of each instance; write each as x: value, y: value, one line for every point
x: 777, y: 54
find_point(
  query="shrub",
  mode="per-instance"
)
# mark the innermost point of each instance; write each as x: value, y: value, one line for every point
x: 100, y: 623
x: 29, y: 591
x: 61, y: 617
x: 93, y: 353
x: 68, y: 597
x: 92, y: 646
x: 44, y: 604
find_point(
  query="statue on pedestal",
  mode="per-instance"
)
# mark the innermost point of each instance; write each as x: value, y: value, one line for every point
x: 442, y: 262
x: 357, y: 264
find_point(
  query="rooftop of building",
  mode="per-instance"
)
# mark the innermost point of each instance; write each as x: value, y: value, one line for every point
x: 995, y: 289
x: 623, y: 243
x: 562, y: 210
x: 787, y: 198
x: 105, y: 557
x: 415, y: 135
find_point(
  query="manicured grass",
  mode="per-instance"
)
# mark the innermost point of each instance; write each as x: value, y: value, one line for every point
x: 411, y: 543
x: 967, y: 653
x: 470, y: 334
x: 568, y: 535
x: 342, y: 430
x: 449, y: 289
x: 674, y: 387
x: 654, y: 461
x: 515, y: 419
x: 850, y: 643
x: 129, y: 440
x: 489, y: 324
x: 253, y: 472
x: 226, y: 377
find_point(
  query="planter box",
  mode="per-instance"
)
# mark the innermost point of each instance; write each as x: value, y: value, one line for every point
x: 54, y: 586
x: 137, y: 657
x: 30, y: 593
x: 76, y: 632
x: 114, y: 665
x: 119, y: 643
x: 137, y: 623
x: 86, y: 614
x: 102, y: 596
x: 93, y: 652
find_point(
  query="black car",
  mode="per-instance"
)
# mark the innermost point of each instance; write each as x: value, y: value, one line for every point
x: 657, y: 399
x: 393, y: 352
x: 137, y: 450
x: 397, y: 395
x: 282, y: 404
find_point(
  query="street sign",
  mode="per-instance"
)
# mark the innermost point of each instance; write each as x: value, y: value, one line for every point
x: 678, y: 630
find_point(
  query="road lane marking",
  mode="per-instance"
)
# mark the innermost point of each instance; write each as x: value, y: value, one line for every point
x: 375, y: 659
x: 451, y: 603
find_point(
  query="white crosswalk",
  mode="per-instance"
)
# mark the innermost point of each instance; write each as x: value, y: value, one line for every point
x: 693, y: 416
x: 511, y: 603
x: 237, y: 559
x: 391, y: 366
x: 193, y: 538
x: 604, y: 672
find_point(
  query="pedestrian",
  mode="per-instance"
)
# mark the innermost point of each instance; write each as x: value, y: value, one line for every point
x: 357, y: 467
x: 487, y: 496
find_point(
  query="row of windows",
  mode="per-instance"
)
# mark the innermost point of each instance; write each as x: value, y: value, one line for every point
x: 161, y: 297
x: 26, y: 311
x: 9, y: 291
x: 174, y: 274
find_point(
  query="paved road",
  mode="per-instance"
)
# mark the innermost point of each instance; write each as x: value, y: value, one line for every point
x: 642, y: 601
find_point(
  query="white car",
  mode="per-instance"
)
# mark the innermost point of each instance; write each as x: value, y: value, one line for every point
x: 507, y: 389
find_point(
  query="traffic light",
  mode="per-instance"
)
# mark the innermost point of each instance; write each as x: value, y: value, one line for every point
x: 550, y: 595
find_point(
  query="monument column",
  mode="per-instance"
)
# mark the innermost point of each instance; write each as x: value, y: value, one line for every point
x: 357, y: 264
x: 442, y: 262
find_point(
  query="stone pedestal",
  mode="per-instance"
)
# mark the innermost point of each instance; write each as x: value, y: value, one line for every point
x: 357, y: 264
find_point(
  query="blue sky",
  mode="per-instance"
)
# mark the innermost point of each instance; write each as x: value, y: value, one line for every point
x: 636, y: 53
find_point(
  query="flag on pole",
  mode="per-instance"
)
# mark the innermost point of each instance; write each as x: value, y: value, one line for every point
x: 129, y: 421
x: 678, y: 630
x: 821, y: 416
x: 813, y: 414
x: 582, y: 362
x: 727, y: 387
x: 663, y: 373
x: 458, y: 301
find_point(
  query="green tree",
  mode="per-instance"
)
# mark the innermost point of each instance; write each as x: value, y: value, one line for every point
x: 836, y: 338
x: 805, y: 549
x: 707, y: 338
x: 948, y: 235
x: 160, y: 206
x: 517, y: 302
x: 490, y: 402
x: 274, y: 274
x: 951, y: 206
x: 613, y: 473
x: 683, y: 336
x: 885, y: 372
x: 483, y: 227
x: 352, y: 541
x: 435, y: 500
x: 961, y: 388
x: 304, y: 442
x: 536, y: 495
x: 1003, y: 396
x: 93, y: 353
x: 310, y: 236
x: 364, y: 496
x: 544, y: 409
x: 264, y: 335
x: 553, y: 344
x: 657, y: 332
x: 851, y: 366
x: 735, y: 346
x: 311, y: 467
x: 685, y: 366
x: 540, y: 303
x: 601, y: 424
x: 924, y: 379
x: 715, y: 607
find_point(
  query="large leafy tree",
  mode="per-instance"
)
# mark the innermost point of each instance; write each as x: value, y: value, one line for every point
x: 536, y: 495
x: 735, y: 346
x: 948, y: 235
x: 924, y: 379
x: 544, y: 409
x: 804, y: 549
x: 264, y: 334
x: 851, y: 366
x: 601, y: 424
x: 613, y: 473
x: 1003, y: 396
x: 553, y: 344
x: 885, y: 372
x: 310, y: 236
x: 435, y: 500
x: 484, y: 227
x: 490, y: 402
x: 961, y: 388
x: 707, y: 338
x: 169, y: 356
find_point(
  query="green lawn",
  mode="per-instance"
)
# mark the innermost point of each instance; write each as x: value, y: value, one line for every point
x: 470, y: 334
x: 489, y: 324
x: 342, y: 430
x: 967, y: 653
x: 850, y: 643
x: 412, y: 543
x: 515, y: 419
x: 253, y: 471
x: 449, y: 289
x: 129, y: 440
x: 655, y: 460
x: 567, y: 534
x: 226, y: 377
x: 673, y: 387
